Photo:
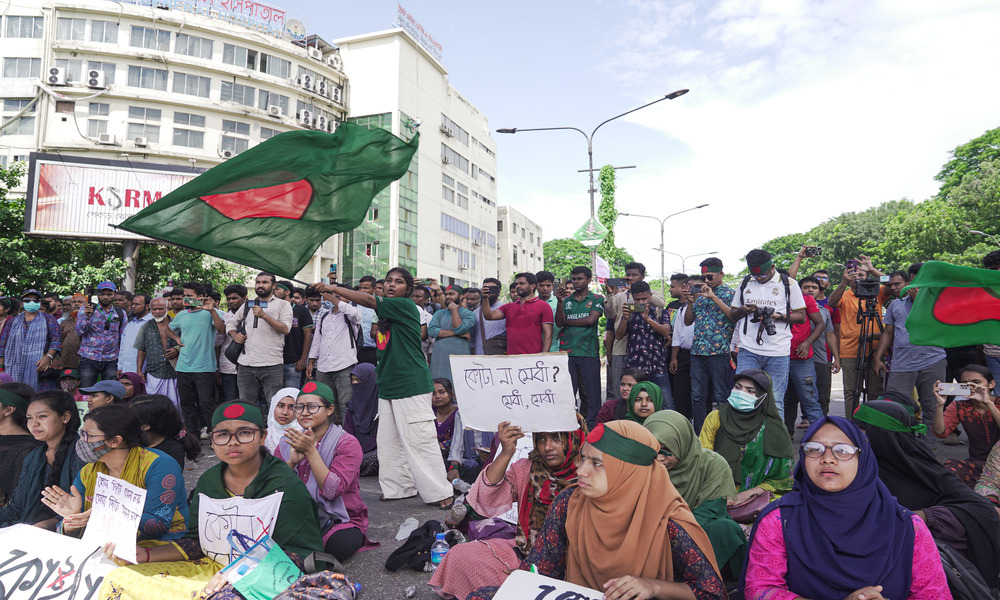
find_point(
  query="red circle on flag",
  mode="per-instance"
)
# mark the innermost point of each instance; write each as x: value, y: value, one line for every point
x: 596, y: 433
x: 309, y: 387
x: 68, y: 372
x: 234, y: 411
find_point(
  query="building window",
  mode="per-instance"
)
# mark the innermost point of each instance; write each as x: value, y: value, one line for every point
x: 192, y: 85
x: 234, y: 144
x: 266, y: 98
x: 150, y: 132
x: 373, y: 215
x: 189, y: 138
x: 95, y: 127
x: 21, y: 126
x: 24, y: 27
x: 499, y: 225
x: 74, y: 68
x: 95, y: 124
x: 24, y: 125
x: 240, y: 94
x: 22, y: 67
x: 531, y: 238
x: 70, y: 29
x: 107, y: 68
x: 240, y: 57
x: 463, y: 201
x: 451, y: 129
x: 371, y: 250
x: 190, y: 45
x: 267, y: 133
x: 181, y: 118
x: 272, y: 65
x: 447, y: 180
x: 105, y: 32
x: 463, y: 189
x: 454, y: 158
x: 448, y: 194
x: 150, y: 79
x: 236, y: 127
x: 146, y: 37
x: 515, y: 257
x: 139, y: 123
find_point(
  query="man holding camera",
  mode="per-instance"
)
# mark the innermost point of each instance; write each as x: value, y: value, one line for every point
x: 634, y: 271
x: 489, y: 337
x: 713, y: 332
x: 768, y: 303
x: 647, y: 329
x: 847, y: 299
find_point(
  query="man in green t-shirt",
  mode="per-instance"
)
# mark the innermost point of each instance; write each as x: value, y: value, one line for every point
x: 408, y: 453
x: 577, y: 315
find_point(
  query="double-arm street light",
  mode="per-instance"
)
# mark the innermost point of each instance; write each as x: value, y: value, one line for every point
x: 590, y: 151
x: 662, y: 223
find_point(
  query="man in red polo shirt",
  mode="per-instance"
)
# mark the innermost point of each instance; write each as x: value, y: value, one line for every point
x: 529, y: 320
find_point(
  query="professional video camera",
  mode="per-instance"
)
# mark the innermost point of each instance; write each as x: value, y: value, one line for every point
x: 765, y: 316
x: 868, y: 289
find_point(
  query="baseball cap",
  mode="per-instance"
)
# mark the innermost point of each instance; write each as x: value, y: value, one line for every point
x: 74, y: 373
x: 107, y: 285
x: 31, y: 291
x: 111, y: 387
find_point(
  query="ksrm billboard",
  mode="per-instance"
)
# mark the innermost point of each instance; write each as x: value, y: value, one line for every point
x: 74, y: 197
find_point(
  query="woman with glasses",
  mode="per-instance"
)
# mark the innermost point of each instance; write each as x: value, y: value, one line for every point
x: 749, y: 433
x: 327, y: 459
x: 955, y: 514
x: 111, y: 442
x: 704, y: 480
x: 246, y: 472
x: 841, y: 533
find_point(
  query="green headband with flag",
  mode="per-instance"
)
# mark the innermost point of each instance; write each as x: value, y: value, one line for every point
x: 299, y: 185
x: 955, y: 306
x: 315, y: 388
x: 8, y: 398
x: 867, y: 414
x: 611, y: 442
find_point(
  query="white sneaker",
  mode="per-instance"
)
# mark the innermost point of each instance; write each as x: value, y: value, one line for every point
x: 204, y: 433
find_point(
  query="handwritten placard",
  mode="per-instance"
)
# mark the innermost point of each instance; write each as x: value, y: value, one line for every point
x: 252, y: 517
x: 36, y: 563
x: 532, y: 391
x: 524, y: 585
x: 115, y: 515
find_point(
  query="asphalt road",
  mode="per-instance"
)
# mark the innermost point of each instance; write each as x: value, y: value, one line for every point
x: 368, y: 568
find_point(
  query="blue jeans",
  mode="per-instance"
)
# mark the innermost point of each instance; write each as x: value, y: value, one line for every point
x: 90, y: 370
x: 292, y: 377
x: 802, y: 376
x: 663, y: 380
x: 775, y: 366
x: 585, y: 371
x: 230, y: 391
x: 708, y: 374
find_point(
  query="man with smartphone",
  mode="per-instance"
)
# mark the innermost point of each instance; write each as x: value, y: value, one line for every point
x: 911, y: 366
x: 578, y: 314
x: 196, y: 363
x: 529, y: 320
x: 647, y: 329
x: 681, y: 338
x: 489, y: 337
x: 100, y: 330
x: 713, y: 332
x: 634, y: 271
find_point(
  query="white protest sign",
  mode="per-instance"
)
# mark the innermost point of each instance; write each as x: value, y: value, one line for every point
x: 114, y: 516
x: 252, y: 517
x: 532, y: 391
x: 36, y: 563
x: 524, y: 585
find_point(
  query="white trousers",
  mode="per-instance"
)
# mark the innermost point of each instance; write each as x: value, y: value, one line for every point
x: 409, y: 459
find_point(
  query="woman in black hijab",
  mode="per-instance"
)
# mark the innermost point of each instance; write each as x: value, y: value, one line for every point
x: 955, y: 514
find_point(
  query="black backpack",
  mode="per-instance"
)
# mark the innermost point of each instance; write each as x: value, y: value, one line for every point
x: 358, y: 337
x: 964, y: 579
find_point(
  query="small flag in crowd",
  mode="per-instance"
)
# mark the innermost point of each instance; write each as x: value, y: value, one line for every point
x: 956, y: 306
x: 273, y: 205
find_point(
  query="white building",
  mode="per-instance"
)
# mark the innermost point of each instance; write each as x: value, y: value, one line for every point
x: 439, y: 220
x: 131, y: 85
x: 520, y: 242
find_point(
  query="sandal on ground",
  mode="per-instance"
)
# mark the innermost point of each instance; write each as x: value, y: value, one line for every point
x: 445, y: 504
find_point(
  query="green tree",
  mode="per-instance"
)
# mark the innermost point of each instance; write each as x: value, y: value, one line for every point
x: 968, y: 158
x: 607, y: 214
x: 65, y: 266
x: 562, y: 254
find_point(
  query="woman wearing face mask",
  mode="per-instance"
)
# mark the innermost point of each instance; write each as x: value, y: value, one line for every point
x: 16, y: 443
x: 111, y: 441
x: 532, y: 484
x: 54, y: 421
x: 749, y: 433
x: 841, y: 533
x: 450, y: 327
x: 281, y: 416
x: 69, y: 382
x: 29, y: 343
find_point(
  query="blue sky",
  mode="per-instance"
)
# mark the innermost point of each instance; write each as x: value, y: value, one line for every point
x: 798, y: 110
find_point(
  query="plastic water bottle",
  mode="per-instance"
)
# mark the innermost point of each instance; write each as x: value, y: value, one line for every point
x: 463, y: 487
x: 438, y: 549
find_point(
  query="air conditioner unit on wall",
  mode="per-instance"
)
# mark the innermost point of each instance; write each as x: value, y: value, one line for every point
x: 331, y: 125
x: 57, y: 76
x: 274, y: 111
x: 107, y: 139
x: 446, y: 160
x: 307, y: 83
x: 227, y: 153
x: 306, y: 118
x: 315, y: 53
x: 321, y: 123
x: 95, y: 79
x: 335, y: 95
x: 140, y: 142
x: 323, y: 88
x: 334, y: 61
x: 463, y: 266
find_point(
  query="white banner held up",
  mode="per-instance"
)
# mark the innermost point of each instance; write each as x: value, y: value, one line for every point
x: 115, y: 515
x: 37, y: 563
x: 523, y: 585
x: 532, y: 391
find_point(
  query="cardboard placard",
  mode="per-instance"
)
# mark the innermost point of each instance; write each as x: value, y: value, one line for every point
x: 115, y: 514
x: 36, y: 563
x: 524, y: 585
x: 532, y: 391
x: 252, y: 517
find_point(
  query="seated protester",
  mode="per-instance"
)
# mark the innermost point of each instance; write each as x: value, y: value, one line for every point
x: 69, y: 382
x: 979, y: 415
x: 362, y: 412
x: 840, y: 533
x: 52, y: 420
x: 644, y: 399
x: 181, y: 568
x: 470, y: 449
x: 615, y: 410
x: 954, y: 513
x: 133, y: 384
x: 111, y: 441
x: 324, y: 452
x: 15, y: 441
x: 164, y: 428
x: 532, y: 484
x: 704, y: 481
x: 445, y: 413
x: 104, y: 393
x: 624, y: 529
x: 281, y: 416
x: 749, y: 433
x: 988, y: 485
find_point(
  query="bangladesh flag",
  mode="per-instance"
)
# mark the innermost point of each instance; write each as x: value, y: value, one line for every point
x: 273, y: 205
x: 956, y: 306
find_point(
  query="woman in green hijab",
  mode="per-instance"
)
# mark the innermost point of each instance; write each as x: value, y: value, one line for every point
x: 644, y: 400
x: 749, y: 433
x: 704, y: 480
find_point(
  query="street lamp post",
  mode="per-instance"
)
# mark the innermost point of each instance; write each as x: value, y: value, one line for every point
x: 992, y: 237
x: 662, y: 223
x: 590, y: 152
x: 684, y: 258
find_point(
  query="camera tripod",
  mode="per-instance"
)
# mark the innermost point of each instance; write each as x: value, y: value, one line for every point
x: 869, y: 318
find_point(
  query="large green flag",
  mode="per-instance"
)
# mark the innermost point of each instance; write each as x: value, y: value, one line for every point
x: 273, y: 205
x: 955, y: 306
